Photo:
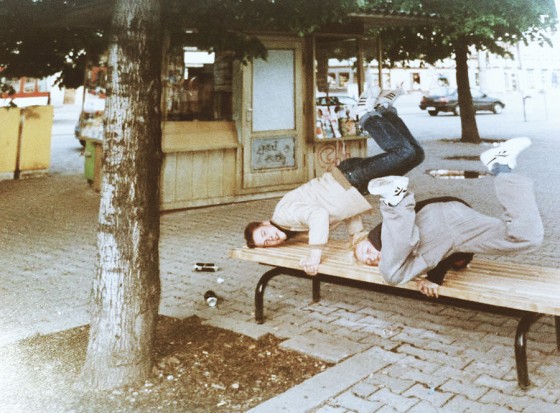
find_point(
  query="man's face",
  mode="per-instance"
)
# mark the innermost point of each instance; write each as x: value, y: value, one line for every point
x: 367, y: 254
x: 267, y: 235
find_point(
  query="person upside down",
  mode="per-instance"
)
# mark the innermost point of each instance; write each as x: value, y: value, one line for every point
x: 443, y: 233
x: 338, y: 195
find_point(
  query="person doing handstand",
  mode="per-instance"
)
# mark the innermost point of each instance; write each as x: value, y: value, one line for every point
x: 338, y: 195
x: 444, y: 234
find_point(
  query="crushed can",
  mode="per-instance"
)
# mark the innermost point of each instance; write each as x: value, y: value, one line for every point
x: 205, y: 267
x: 211, y: 298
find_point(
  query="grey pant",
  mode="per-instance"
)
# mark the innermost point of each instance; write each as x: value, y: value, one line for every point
x: 415, y: 243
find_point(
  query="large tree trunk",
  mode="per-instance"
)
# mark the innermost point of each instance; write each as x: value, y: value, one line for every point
x: 126, y: 289
x: 469, y: 129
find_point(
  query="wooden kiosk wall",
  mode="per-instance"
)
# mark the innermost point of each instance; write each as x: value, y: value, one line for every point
x: 204, y: 162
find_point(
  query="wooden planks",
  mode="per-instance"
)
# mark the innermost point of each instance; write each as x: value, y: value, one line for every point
x: 200, y: 175
x: 516, y: 286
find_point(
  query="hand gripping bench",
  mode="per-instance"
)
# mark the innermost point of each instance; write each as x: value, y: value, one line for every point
x: 524, y: 291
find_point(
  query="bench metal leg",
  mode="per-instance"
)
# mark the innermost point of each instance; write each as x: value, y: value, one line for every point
x: 521, y: 348
x: 317, y: 290
x: 557, y: 323
x: 263, y: 282
x: 259, y: 292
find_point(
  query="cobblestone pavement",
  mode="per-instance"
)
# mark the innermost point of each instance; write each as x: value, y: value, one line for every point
x: 392, y: 354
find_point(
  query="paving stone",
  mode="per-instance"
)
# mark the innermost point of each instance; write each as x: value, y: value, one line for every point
x: 549, y: 394
x: 539, y: 406
x: 330, y: 409
x: 431, y: 395
x: 358, y: 336
x: 396, y: 385
x: 350, y: 401
x: 517, y: 403
x: 465, y: 388
x: 364, y: 388
x: 323, y: 346
x: 422, y: 365
x: 427, y: 379
x: 460, y: 403
x: 424, y: 407
x: 425, y: 353
x: 379, y: 326
x: 396, y: 401
x: 497, y: 384
x: 321, y: 308
x: 387, y: 409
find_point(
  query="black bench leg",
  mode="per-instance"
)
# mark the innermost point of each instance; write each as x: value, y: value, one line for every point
x: 317, y: 290
x: 521, y: 348
x: 267, y: 276
x: 259, y: 292
x: 557, y: 323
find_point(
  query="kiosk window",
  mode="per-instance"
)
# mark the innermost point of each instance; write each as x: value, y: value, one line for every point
x: 199, y: 85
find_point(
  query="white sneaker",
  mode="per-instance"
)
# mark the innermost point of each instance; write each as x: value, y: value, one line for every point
x: 506, y: 153
x: 388, y: 97
x: 366, y: 102
x: 391, y: 189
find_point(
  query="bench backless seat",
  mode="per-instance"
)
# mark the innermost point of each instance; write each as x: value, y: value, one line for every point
x: 525, y: 291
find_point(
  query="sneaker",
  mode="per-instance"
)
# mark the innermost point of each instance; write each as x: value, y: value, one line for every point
x: 387, y: 98
x: 366, y: 102
x: 391, y: 189
x: 506, y: 153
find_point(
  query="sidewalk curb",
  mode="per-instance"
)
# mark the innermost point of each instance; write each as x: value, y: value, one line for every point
x: 317, y: 390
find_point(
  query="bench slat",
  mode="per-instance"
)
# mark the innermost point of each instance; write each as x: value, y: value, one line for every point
x: 516, y: 286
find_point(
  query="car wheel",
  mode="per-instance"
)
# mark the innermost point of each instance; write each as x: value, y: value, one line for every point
x: 433, y: 112
x: 457, y: 110
x: 497, y: 108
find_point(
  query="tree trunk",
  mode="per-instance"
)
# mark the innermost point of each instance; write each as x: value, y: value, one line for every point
x: 126, y: 290
x: 469, y: 129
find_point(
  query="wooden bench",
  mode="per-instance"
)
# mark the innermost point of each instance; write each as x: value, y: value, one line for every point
x: 523, y: 291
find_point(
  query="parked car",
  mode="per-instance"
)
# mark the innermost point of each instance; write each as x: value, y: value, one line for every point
x: 446, y: 99
x: 338, y: 101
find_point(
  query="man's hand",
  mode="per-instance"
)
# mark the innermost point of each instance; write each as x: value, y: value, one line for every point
x: 310, y: 264
x: 428, y: 288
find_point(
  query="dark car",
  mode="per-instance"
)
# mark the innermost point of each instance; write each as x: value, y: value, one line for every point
x: 445, y: 99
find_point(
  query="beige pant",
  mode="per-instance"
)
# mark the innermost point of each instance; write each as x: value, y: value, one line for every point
x: 414, y: 244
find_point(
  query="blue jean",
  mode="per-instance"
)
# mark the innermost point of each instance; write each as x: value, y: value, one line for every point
x: 402, y: 151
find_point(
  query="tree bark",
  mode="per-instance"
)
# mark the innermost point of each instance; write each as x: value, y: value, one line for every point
x: 469, y: 129
x: 126, y: 290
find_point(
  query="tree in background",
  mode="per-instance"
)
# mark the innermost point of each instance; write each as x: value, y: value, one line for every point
x: 489, y: 25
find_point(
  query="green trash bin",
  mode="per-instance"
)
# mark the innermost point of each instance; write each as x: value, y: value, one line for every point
x: 93, y: 156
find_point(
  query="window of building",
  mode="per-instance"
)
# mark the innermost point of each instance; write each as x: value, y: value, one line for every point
x: 336, y: 85
x: 198, y: 85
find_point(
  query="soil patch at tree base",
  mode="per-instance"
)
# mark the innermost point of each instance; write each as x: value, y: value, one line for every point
x: 197, y: 368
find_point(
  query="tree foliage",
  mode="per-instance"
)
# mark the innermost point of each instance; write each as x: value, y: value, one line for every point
x: 489, y: 25
x: 38, y: 39
x: 36, y: 42
x: 33, y: 45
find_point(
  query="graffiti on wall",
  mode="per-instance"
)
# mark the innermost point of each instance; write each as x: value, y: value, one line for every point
x: 273, y: 153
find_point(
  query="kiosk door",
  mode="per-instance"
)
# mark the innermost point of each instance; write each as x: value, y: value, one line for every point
x: 273, y: 135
